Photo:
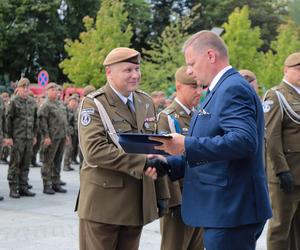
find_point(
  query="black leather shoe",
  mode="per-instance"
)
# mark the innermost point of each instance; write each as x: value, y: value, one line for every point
x: 1, y: 198
x: 26, y: 192
x: 48, y: 190
x: 62, y: 183
x: 14, y: 194
x: 29, y: 186
x: 35, y: 165
x: 67, y: 168
x: 59, y: 189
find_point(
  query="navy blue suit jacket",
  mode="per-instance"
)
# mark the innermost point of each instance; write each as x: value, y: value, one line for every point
x: 223, y: 169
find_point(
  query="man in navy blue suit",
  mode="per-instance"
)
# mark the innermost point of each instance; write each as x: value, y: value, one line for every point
x: 221, y: 160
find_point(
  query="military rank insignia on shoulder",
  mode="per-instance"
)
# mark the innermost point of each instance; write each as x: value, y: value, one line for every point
x: 96, y: 93
x: 267, y: 105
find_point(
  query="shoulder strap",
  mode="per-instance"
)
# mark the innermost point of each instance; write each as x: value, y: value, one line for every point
x: 174, y: 124
x: 107, y: 125
x: 285, y: 106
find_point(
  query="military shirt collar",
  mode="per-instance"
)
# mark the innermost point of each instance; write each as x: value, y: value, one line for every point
x: 187, y: 110
x: 218, y: 77
x: 293, y: 86
x: 124, y: 99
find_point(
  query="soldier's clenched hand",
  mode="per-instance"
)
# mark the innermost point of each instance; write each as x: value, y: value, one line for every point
x: 286, y: 181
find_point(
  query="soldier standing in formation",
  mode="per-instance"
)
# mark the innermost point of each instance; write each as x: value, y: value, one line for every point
x: 54, y: 131
x: 116, y: 198
x: 176, y: 119
x: 72, y: 122
x: 2, y: 126
x: 5, y: 150
x: 282, y: 114
x: 21, y: 133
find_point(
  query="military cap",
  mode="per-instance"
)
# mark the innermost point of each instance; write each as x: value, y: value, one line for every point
x: 23, y: 82
x: 122, y: 54
x: 73, y: 97
x: 247, y: 74
x: 59, y: 87
x: 51, y: 85
x: 182, y: 77
x: 292, y: 60
x: 88, y: 89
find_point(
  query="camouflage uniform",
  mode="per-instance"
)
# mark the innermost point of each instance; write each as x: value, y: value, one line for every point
x: 2, y: 125
x: 21, y: 127
x: 53, y: 124
x: 69, y: 148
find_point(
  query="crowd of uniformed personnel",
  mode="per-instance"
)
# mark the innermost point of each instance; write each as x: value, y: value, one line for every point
x: 32, y: 124
x: 48, y: 125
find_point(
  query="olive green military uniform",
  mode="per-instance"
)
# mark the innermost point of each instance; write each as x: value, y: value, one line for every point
x: 69, y: 148
x: 74, y: 137
x: 175, y: 234
x: 2, y: 125
x: 283, y: 154
x: 115, y: 192
x: 21, y: 128
x: 4, y: 150
x: 53, y: 124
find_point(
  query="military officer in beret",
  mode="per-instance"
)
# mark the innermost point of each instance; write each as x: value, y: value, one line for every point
x: 21, y: 128
x: 54, y: 132
x: 176, y: 119
x: 251, y: 78
x: 282, y: 117
x: 116, y: 198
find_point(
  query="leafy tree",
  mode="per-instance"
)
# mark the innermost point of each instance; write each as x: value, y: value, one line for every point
x: 29, y: 37
x: 294, y: 8
x: 165, y: 56
x: 287, y: 42
x: 243, y: 41
x: 86, y: 54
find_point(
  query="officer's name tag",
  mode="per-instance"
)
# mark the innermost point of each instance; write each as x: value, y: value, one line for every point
x: 88, y: 111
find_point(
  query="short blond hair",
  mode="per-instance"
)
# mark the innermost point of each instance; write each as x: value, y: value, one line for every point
x: 206, y: 39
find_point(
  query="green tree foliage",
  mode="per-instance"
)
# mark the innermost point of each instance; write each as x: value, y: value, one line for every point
x: 32, y: 34
x: 287, y: 42
x: 165, y: 55
x: 86, y: 54
x: 243, y: 41
x: 294, y: 8
x: 265, y: 14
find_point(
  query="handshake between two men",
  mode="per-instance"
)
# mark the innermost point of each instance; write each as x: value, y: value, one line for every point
x: 157, y: 165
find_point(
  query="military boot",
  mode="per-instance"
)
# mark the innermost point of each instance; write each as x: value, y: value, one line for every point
x: 48, y: 189
x: 62, y: 183
x: 14, y: 192
x: 26, y: 192
x: 1, y: 198
x: 57, y: 188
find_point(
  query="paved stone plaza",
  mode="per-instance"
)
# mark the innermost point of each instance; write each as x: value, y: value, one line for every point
x: 47, y: 222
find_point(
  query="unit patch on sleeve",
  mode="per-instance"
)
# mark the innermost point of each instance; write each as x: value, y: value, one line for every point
x: 267, y: 105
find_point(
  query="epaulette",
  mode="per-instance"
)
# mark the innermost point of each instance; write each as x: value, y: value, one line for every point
x: 143, y: 92
x: 96, y: 93
x: 168, y: 111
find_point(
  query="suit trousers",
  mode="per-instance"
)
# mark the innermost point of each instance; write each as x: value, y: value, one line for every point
x: 235, y: 238
x: 99, y: 236
x: 175, y: 235
x: 286, y: 215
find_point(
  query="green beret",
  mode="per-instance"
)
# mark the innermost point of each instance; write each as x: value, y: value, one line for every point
x: 292, y: 60
x: 23, y: 82
x: 182, y: 77
x: 51, y: 85
x: 122, y: 54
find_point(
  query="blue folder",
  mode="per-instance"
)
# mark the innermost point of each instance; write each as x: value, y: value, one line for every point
x: 140, y: 143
